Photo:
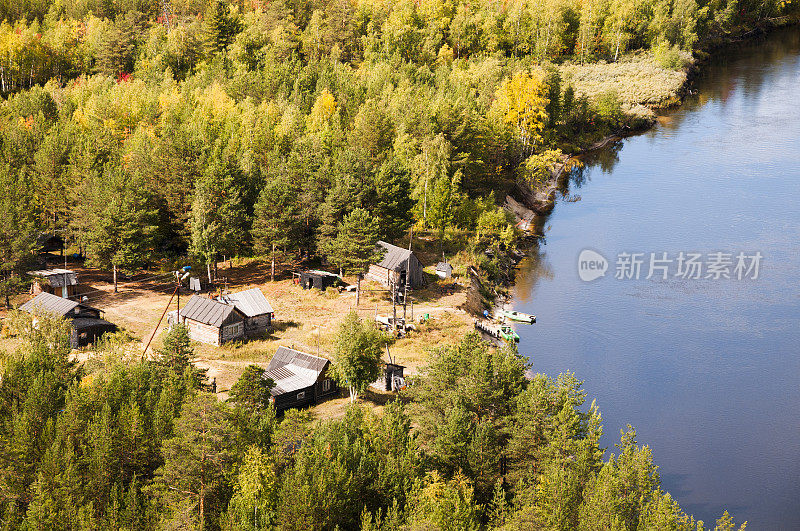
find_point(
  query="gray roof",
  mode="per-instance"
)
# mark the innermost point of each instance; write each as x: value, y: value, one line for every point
x: 82, y: 323
x: 49, y: 303
x: 396, y: 257
x: 206, y: 311
x: 293, y: 370
x: 443, y: 266
x: 57, y: 277
x: 250, y: 302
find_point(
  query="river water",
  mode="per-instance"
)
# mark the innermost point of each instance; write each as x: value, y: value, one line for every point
x: 707, y: 370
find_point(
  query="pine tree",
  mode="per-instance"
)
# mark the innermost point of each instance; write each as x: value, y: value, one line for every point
x: 196, y: 461
x: 394, y: 205
x: 218, y: 212
x: 222, y: 25
x: 277, y: 221
x: 355, y: 244
x: 121, y: 224
x: 177, y: 351
x: 253, y: 506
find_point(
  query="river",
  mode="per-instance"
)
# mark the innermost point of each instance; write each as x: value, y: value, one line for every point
x: 707, y: 370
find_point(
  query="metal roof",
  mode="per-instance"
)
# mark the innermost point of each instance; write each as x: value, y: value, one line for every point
x: 206, y: 311
x: 250, y: 302
x: 396, y: 257
x: 292, y: 370
x: 57, y: 277
x: 81, y: 323
x: 443, y: 266
x: 49, y: 303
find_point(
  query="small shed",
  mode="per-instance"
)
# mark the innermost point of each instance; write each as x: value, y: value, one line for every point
x: 61, y: 282
x: 393, y: 377
x: 397, y: 267
x: 444, y: 270
x: 300, y: 379
x: 255, y: 308
x: 322, y: 280
x: 87, y: 322
x: 210, y: 321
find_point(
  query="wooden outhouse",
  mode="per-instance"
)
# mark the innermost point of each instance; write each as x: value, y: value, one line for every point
x: 397, y: 267
x: 255, y: 308
x: 87, y: 322
x: 210, y: 321
x: 61, y: 282
x: 444, y: 270
x: 300, y: 379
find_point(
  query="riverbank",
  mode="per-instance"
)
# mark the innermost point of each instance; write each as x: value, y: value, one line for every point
x: 643, y: 89
x: 687, y: 362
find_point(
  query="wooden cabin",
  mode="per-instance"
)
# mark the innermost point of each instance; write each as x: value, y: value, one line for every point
x: 88, y: 324
x: 300, y: 379
x: 397, y: 267
x: 213, y: 322
x: 321, y: 280
x: 255, y: 308
x: 61, y: 282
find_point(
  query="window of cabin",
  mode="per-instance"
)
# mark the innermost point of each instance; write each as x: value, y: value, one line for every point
x: 301, y: 395
x: 233, y: 330
x: 326, y: 385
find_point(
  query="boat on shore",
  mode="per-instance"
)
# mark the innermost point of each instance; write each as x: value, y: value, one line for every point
x: 517, y: 316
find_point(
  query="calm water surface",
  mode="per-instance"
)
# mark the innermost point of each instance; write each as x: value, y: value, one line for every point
x: 708, y: 372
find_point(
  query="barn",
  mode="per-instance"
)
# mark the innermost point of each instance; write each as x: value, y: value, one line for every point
x: 398, y: 264
x: 210, y: 321
x: 87, y: 322
x: 255, y: 308
x: 300, y: 379
x: 61, y: 282
x: 313, y: 278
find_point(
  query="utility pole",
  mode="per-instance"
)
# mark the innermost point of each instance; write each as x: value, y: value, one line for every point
x: 394, y: 305
x: 408, y: 274
x: 425, y: 200
x: 179, y: 279
x: 272, y: 274
x: 144, y: 353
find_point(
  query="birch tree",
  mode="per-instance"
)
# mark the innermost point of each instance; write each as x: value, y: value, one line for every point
x: 358, y: 355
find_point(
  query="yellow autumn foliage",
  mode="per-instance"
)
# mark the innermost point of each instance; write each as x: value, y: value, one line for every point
x: 520, y: 102
x: 323, y: 109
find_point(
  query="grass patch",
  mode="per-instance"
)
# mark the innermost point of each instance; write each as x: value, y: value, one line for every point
x: 638, y: 79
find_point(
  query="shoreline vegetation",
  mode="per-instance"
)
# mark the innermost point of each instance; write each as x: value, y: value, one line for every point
x: 152, y: 135
x: 531, y: 206
x: 642, y: 104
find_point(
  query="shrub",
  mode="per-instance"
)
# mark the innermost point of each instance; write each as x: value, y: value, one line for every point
x: 671, y: 57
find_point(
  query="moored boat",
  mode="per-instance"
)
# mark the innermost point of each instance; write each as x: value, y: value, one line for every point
x: 518, y: 316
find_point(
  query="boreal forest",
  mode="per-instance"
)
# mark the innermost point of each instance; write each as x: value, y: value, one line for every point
x: 149, y: 133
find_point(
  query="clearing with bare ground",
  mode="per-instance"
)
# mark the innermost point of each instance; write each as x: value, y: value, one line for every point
x: 304, y: 319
